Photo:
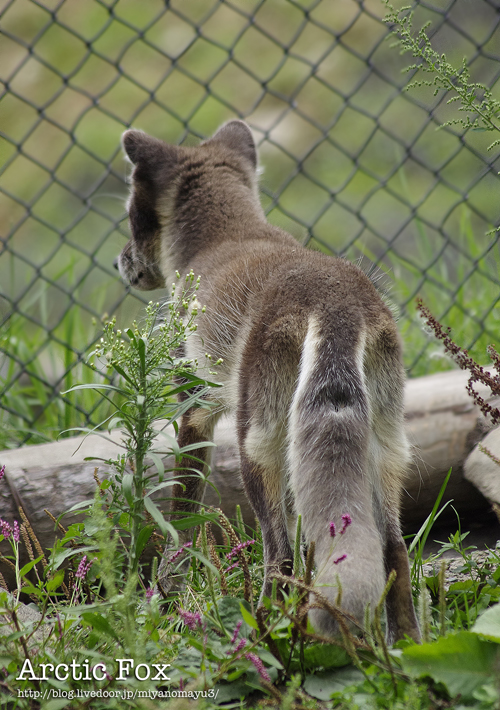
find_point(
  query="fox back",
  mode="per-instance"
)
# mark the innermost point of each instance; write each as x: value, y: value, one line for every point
x: 311, y: 365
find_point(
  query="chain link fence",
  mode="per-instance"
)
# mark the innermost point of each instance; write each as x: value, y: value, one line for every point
x: 352, y: 163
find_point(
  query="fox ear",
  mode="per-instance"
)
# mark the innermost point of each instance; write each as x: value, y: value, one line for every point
x: 141, y: 148
x: 133, y: 143
x: 237, y: 136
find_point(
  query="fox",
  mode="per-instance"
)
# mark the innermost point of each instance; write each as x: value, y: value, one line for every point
x: 309, y: 362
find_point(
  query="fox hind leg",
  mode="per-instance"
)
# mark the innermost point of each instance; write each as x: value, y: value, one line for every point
x: 262, y: 470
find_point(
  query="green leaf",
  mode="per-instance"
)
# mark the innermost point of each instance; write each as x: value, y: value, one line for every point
x: 488, y: 624
x: 269, y: 659
x: 131, y: 335
x: 157, y: 460
x: 165, y: 527
x: 232, y: 691
x: 229, y: 609
x: 56, y: 704
x: 248, y: 618
x: 29, y: 565
x: 127, y: 483
x: 423, y: 533
x: 100, y: 623
x: 323, y: 685
x: 143, y: 538
x: 326, y: 656
x: 30, y: 589
x: 462, y: 661
x: 96, y: 386
x: 122, y: 372
x: 59, y: 556
x: 200, y: 445
x: 194, y: 519
x: 166, y: 484
x: 114, y: 423
x: 199, y: 556
x: 55, y: 581
x: 141, y: 347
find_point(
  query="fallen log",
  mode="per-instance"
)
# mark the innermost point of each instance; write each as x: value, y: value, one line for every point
x: 443, y: 426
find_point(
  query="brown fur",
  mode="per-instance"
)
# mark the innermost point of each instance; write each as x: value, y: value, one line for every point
x: 311, y: 365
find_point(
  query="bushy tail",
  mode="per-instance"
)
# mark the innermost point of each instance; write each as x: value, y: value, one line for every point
x: 328, y: 451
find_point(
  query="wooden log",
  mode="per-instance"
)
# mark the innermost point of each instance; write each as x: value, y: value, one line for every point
x: 443, y: 425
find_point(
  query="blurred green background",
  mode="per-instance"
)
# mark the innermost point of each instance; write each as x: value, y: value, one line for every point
x: 351, y: 163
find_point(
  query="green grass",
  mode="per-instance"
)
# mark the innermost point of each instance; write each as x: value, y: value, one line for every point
x: 208, y: 636
x: 35, y: 370
x: 461, y: 288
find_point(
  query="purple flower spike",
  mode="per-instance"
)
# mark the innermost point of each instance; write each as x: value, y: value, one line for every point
x: 239, y: 547
x: 149, y: 593
x: 191, y: 619
x: 236, y: 632
x: 332, y: 529
x: 5, y: 528
x: 339, y: 559
x: 180, y: 551
x: 15, y: 533
x: 84, y: 567
x: 259, y: 666
x: 2, y: 472
x: 241, y: 645
x: 346, y: 521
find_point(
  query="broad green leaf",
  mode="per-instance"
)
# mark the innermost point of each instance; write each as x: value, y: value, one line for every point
x: 323, y: 685
x: 28, y: 566
x: 462, y: 661
x: 233, y: 690
x: 269, y: 659
x: 60, y: 555
x: 248, y: 618
x: 229, y: 609
x: 326, y: 656
x: 488, y: 624
x: 56, y: 704
x: 55, y: 582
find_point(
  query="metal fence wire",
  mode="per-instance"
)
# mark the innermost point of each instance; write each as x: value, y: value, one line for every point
x: 353, y: 163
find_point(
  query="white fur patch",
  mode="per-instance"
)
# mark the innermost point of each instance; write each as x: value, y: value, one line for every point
x: 264, y: 445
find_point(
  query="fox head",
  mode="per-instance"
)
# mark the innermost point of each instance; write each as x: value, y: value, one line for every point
x: 184, y: 199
